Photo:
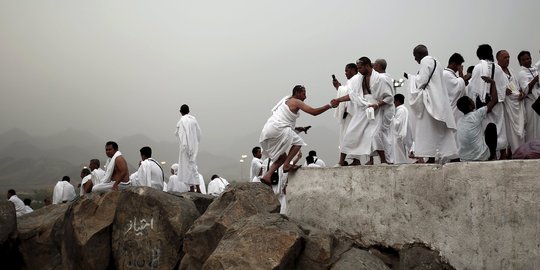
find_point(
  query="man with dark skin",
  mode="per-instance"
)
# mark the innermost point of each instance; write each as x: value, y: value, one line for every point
x: 120, y: 171
x: 342, y: 111
x: 271, y: 141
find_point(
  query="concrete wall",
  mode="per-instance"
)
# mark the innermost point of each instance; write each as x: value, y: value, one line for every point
x: 479, y: 215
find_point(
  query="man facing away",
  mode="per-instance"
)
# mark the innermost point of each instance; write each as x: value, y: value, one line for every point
x: 280, y: 131
x: 217, y: 185
x: 401, y: 131
x: 189, y: 136
x: 475, y: 144
x: 150, y: 173
x: 514, y: 110
x: 96, y: 171
x: 174, y: 184
x: 86, y: 183
x: 63, y: 191
x: 479, y: 92
x: 256, y: 163
x: 388, y: 111
x: 435, y: 124
x: 316, y: 160
x: 20, y: 209
x: 116, y: 170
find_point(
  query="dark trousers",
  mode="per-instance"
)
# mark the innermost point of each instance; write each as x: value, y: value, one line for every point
x: 490, y: 135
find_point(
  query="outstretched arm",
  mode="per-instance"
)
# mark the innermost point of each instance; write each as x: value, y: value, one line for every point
x: 493, y: 92
x: 308, y: 109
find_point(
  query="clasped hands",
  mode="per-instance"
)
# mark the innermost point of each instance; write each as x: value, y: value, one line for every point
x: 334, y: 103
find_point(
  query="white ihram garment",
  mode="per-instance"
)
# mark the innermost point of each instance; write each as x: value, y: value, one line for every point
x: 278, y: 134
x: 402, y: 139
x: 514, y: 113
x: 63, y: 192
x: 189, y: 136
x: 532, y: 122
x: 435, y: 124
x: 479, y: 88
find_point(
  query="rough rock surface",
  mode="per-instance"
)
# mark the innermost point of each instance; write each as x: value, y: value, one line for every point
x: 239, y: 201
x: 40, y: 234
x: 202, y: 201
x: 264, y: 241
x: 419, y: 257
x: 321, y: 250
x: 87, y: 236
x: 144, y: 228
x: 8, y: 235
x: 359, y: 260
x: 149, y: 229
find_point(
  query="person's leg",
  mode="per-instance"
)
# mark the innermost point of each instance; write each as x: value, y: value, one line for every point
x: 490, y: 135
x: 382, y: 156
x: 266, y: 178
x: 355, y: 162
x: 287, y: 166
x: 342, y: 157
x: 503, y: 155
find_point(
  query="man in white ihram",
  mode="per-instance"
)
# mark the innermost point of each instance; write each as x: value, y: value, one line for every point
x: 189, y: 136
x: 149, y: 173
x: 217, y: 185
x: 63, y: 191
x: 479, y: 92
x: 256, y: 164
x: 174, y: 184
x: 435, y: 124
x: 344, y: 110
x: 280, y: 131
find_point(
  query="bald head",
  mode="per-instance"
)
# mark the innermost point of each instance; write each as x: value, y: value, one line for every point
x: 380, y: 65
x: 420, y: 52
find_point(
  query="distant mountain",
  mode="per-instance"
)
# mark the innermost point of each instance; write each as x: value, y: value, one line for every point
x: 32, y: 162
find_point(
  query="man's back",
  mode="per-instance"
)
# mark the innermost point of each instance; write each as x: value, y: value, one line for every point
x: 149, y: 174
x: 470, y: 135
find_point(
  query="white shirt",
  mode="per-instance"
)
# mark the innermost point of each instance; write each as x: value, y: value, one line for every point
x: 20, y: 208
x: 470, y: 134
x: 217, y: 186
x: 317, y: 161
x: 256, y: 167
x: 63, y: 191
x: 97, y: 176
x: 149, y: 174
x: 83, y: 181
x: 175, y: 185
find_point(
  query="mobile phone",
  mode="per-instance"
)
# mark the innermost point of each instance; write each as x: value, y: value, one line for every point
x: 334, y: 77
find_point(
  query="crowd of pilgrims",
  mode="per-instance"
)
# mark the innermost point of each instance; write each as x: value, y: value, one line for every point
x: 488, y: 112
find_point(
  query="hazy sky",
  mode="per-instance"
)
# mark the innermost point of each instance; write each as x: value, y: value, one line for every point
x: 117, y: 68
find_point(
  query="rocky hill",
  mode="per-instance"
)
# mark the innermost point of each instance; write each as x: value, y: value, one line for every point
x: 142, y: 228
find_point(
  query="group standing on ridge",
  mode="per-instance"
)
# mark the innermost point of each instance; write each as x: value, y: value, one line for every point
x: 488, y: 112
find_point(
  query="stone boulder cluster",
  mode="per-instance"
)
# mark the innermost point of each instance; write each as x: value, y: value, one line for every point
x: 143, y: 228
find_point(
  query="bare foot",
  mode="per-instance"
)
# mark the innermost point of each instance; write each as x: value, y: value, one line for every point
x: 266, y: 182
x: 355, y: 162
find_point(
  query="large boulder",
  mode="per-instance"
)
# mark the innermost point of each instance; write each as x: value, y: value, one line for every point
x: 321, y: 249
x: 149, y: 229
x: 87, y: 235
x: 418, y: 256
x: 8, y: 234
x: 240, y: 200
x: 359, y: 259
x: 202, y: 201
x: 40, y: 237
x: 264, y: 241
